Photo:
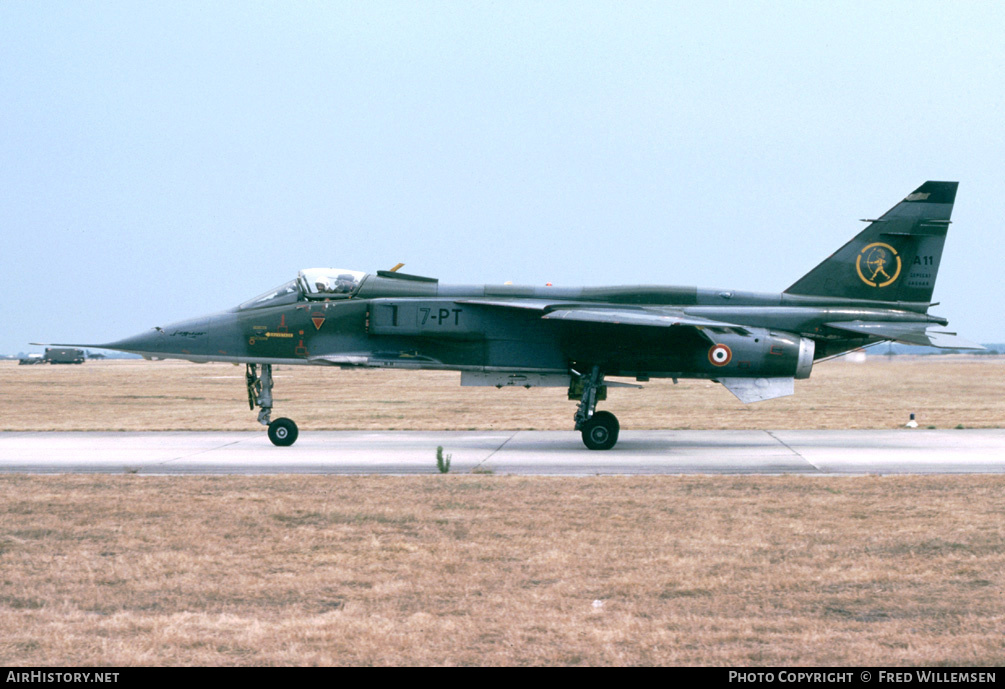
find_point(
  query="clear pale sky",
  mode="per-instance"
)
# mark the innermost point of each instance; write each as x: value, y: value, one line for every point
x: 166, y: 160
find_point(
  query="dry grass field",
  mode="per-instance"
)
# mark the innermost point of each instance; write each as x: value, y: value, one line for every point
x: 499, y: 570
x: 944, y: 391
x: 490, y: 570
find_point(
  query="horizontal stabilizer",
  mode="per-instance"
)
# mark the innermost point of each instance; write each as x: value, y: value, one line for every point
x: 924, y: 334
x: 749, y: 390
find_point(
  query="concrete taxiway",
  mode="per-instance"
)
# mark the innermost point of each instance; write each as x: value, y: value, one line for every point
x: 509, y: 452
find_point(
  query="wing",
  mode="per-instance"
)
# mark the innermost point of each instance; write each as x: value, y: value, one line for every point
x: 659, y: 317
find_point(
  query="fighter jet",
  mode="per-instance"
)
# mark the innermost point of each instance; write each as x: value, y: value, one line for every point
x: 877, y: 287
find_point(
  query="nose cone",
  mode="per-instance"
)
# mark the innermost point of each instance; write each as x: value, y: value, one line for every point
x: 195, y: 340
x: 146, y: 343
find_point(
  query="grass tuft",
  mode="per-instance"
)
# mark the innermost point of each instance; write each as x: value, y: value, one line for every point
x: 442, y: 462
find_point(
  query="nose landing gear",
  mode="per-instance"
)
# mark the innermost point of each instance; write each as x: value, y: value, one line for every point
x: 282, y: 431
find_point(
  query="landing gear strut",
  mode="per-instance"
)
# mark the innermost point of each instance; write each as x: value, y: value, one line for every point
x: 599, y: 428
x: 282, y: 431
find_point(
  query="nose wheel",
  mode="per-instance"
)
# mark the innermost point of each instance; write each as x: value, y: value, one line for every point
x: 282, y: 432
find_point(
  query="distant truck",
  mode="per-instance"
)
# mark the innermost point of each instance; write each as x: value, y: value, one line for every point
x: 64, y: 355
x: 31, y: 359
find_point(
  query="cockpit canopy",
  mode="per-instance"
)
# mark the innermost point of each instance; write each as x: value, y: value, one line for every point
x: 311, y: 283
x: 330, y: 282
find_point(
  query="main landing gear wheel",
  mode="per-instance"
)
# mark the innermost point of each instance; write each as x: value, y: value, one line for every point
x: 600, y: 432
x: 600, y: 428
x: 283, y: 432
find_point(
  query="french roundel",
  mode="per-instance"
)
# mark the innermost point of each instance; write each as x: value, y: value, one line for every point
x: 720, y: 355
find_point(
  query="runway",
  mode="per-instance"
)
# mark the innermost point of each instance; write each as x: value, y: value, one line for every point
x: 509, y: 452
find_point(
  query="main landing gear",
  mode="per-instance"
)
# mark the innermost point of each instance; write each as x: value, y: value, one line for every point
x: 600, y: 428
x: 282, y: 431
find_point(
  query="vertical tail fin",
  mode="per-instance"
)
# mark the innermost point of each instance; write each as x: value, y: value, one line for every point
x: 895, y: 258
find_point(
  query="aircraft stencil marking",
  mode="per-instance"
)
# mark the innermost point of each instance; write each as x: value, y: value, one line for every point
x: 440, y: 317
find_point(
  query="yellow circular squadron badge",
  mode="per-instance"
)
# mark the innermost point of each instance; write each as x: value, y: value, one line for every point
x: 878, y: 264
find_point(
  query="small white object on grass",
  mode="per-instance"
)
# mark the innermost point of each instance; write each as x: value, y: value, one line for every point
x: 597, y: 604
x: 912, y: 423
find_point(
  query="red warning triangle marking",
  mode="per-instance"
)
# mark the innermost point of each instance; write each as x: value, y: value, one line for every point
x: 318, y: 322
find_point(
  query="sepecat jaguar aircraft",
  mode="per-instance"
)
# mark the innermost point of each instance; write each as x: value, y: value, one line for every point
x: 877, y: 287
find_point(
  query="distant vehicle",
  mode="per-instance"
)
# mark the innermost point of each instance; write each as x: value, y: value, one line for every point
x: 877, y: 287
x: 64, y: 355
x: 31, y: 359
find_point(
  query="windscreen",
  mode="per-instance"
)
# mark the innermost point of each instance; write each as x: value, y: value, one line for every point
x: 287, y: 292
